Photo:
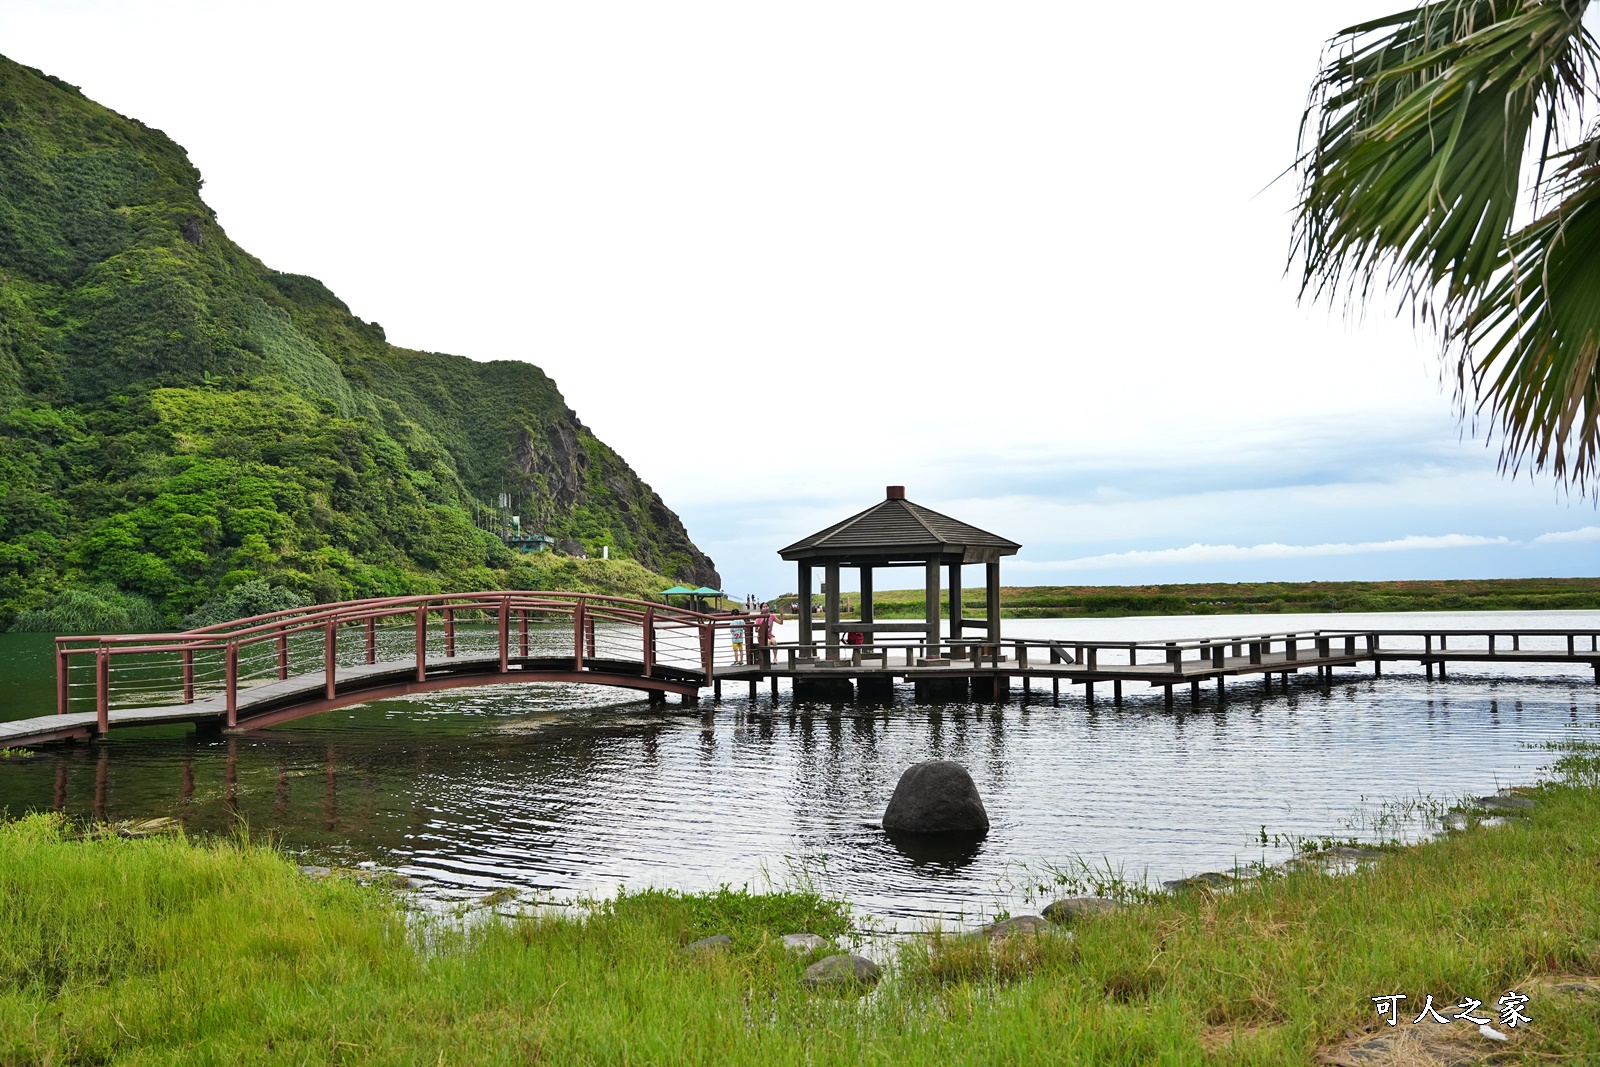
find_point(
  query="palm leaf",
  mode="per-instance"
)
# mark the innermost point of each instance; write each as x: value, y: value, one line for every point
x: 1414, y: 146
x: 1530, y: 344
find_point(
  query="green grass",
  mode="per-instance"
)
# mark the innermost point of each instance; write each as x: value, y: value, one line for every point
x: 1229, y: 598
x: 164, y: 950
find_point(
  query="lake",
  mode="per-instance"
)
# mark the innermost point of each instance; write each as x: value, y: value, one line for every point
x: 561, y: 791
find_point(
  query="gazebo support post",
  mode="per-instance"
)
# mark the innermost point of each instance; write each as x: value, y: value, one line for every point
x: 830, y: 608
x: 991, y: 589
x: 866, y: 593
x: 803, y: 609
x: 955, y: 602
x: 931, y: 606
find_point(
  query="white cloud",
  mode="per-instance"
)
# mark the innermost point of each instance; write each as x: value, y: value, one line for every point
x: 1557, y: 537
x: 1201, y: 553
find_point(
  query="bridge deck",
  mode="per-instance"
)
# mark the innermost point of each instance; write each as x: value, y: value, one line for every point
x: 283, y: 699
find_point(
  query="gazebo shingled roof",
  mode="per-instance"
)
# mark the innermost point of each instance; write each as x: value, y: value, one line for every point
x: 894, y: 527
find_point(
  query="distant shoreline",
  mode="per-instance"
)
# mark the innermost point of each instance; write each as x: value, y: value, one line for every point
x: 1250, y: 598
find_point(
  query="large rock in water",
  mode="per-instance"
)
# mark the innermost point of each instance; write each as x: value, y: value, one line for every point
x: 937, y: 797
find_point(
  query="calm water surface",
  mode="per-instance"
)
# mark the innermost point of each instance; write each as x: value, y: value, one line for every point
x: 558, y: 791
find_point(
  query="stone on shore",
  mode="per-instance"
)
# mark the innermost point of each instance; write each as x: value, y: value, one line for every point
x: 1505, y: 803
x: 936, y: 797
x: 1205, y: 880
x: 714, y: 943
x: 1024, y: 925
x: 803, y: 943
x: 845, y: 969
x: 1076, y: 909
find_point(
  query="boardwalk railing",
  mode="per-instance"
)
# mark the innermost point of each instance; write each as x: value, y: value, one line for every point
x: 357, y: 640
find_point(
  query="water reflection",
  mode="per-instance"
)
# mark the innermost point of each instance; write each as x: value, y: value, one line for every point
x: 566, y: 790
x: 943, y: 852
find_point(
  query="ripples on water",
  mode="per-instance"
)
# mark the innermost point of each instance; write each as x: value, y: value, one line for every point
x: 561, y: 790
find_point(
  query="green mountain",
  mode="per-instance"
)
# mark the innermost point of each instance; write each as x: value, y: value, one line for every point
x: 179, y: 421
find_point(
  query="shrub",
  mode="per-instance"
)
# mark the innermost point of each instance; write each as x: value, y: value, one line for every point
x: 99, y: 609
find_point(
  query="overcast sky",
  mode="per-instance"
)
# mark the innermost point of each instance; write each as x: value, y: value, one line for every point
x: 1025, y: 258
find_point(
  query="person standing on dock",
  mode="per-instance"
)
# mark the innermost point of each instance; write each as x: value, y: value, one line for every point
x: 736, y: 635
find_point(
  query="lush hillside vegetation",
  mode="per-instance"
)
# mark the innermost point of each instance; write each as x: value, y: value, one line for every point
x: 1245, y: 598
x: 177, y: 420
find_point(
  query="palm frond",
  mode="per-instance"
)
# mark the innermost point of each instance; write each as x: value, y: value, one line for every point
x: 1528, y: 348
x: 1413, y: 149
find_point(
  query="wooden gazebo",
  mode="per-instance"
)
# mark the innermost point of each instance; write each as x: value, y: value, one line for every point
x: 897, y: 533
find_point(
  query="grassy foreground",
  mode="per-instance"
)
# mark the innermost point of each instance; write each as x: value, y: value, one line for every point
x: 1244, y: 598
x: 166, y: 951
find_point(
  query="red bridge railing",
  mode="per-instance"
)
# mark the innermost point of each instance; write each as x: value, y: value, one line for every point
x: 346, y: 641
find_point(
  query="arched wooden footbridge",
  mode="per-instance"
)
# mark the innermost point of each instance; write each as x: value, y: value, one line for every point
x: 273, y: 668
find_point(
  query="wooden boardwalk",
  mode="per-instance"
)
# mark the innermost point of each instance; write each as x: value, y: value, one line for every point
x: 271, y: 669
x: 987, y: 670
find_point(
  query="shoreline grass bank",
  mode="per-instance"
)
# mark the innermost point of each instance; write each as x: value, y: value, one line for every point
x: 163, y: 950
x: 1251, y: 598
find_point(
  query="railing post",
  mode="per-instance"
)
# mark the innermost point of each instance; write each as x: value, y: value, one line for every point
x: 505, y: 635
x: 1022, y: 654
x: 522, y: 631
x: 588, y: 632
x: 1175, y: 657
x: 372, y: 639
x: 230, y: 661
x: 450, y: 633
x: 1570, y: 643
x: 1094, y: 658
x: 1219, y: 655
x: 330, y: 648
x: 577, y: 636
x: 1255, y: 653
x: 422, y: 642
x: 649, y: 636
x: 283, y: 654
x: 708, y: 637
x: 1491, y: 644
x: 102, y: 690
x: 188, y: 676
x: 1291, y: 649
x: 62, y: 678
